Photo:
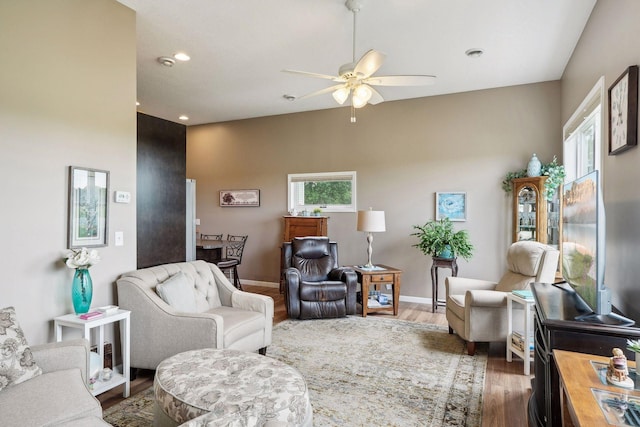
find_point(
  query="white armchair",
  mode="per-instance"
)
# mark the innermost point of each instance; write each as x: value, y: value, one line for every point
x: 204, y: 311
x: 477, y: 309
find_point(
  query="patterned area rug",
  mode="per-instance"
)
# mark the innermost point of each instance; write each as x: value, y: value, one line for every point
x: 372, y: 371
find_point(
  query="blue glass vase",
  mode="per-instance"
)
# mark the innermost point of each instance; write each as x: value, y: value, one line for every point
x: 81, y: 290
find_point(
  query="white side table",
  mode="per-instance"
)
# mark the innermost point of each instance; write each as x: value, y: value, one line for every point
x: 122, y: 316
x: 527, y: 333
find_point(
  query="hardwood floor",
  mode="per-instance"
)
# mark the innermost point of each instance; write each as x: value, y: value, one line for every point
x: 506, y: 389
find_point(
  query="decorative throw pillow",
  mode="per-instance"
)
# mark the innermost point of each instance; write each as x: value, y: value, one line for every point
x: 178, y: 293
x: 16, y: 360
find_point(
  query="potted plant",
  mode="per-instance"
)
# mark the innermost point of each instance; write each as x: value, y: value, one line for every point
x: 317, y: 212
x: 439, y: 239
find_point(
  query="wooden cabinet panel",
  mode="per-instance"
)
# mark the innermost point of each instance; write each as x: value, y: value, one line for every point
x: 302, y: 226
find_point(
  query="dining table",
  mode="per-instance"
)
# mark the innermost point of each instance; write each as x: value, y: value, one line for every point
x: 211, y: 250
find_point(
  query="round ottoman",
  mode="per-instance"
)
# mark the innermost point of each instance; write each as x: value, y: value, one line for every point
x: 228, y: 387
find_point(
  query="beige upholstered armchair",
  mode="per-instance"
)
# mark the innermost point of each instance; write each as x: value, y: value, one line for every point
x: 477, y: 309
x: 187, y: 306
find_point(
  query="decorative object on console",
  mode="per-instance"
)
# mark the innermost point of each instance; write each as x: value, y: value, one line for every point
x: 243, y: 198
x: 452, y: 205
x: 534, y: 167
x: 82, y: 285
x: 623, y: 111
x: 370, y: 222
x: 617, y: 372
x: 438, y: 236
x: 88, y: 207
x: 553, y: 170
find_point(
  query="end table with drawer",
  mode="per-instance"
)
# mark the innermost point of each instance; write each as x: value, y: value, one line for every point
x: 384, y: 275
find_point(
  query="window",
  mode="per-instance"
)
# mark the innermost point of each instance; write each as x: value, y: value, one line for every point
x: 582, y: 136
x: 329, y: 191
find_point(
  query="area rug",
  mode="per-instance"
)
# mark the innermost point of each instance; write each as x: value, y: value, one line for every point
x: 372, y: 371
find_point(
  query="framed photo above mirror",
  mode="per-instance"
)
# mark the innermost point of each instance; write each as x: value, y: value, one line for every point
x: 88, y: 207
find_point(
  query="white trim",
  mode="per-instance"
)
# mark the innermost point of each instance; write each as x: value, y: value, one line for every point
x: 259, y: 283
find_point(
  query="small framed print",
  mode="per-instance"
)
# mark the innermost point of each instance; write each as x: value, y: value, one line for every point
x: 244, y: 198
x: 88, y: 207
x: 452, y: 205
x: 623, y: 112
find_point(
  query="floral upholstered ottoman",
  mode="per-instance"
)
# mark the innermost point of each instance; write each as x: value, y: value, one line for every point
x: 216, y: 387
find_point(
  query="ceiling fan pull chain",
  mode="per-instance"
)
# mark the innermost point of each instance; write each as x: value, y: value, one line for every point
x: 353, y: 114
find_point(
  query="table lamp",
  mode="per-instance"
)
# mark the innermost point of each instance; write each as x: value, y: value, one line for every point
x: 370, y: 222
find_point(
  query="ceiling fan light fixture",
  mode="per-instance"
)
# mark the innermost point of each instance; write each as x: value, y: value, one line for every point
x: 341, y: 95
x: 361, y: 95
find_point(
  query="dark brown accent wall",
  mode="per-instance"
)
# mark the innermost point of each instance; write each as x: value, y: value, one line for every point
x: 161, y: 202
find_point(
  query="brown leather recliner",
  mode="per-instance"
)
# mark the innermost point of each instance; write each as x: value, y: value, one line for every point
x: 315, y: 287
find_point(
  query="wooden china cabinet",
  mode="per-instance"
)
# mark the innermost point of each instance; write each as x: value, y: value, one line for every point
x: 534, y: 217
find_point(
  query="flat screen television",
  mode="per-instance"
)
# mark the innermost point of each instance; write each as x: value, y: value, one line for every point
x: 583, y: 250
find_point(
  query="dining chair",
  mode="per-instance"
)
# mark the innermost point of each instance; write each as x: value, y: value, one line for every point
x: 233, y: 257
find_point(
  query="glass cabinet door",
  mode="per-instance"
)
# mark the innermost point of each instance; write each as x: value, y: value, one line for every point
x: 553, y: 221
x: 526, y: 226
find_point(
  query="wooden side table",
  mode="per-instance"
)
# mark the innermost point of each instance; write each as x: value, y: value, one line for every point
x: 440, y: 262
x: 387, y: 276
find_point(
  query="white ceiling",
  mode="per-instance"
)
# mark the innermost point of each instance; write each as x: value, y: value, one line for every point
x: 239, y: 47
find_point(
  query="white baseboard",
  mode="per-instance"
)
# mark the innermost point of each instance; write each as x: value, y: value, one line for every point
x: 259, y: 283
x: 417, y: 300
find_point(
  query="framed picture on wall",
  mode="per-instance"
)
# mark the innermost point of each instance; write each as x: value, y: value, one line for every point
x: 88, y: 207
x: 452, y: 205
x: 245, y: 198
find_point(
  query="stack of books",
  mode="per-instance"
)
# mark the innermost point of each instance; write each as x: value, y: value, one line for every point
x: 517, y: 339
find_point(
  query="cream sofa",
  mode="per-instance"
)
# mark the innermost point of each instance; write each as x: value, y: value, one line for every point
x: 203, y: 310
x: 477, y: 309
x: 57, y: 397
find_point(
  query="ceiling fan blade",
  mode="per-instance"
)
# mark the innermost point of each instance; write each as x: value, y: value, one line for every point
x: 376, y: 98
x: 316, y: 75
x: 369, y: 63
x: 415, y: 80
x: 321, y: 91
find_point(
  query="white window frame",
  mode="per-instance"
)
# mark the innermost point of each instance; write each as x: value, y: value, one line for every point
x: 295, y: 197
x: 586, y: 122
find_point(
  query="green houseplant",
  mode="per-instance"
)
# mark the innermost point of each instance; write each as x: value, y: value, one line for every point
x: 438, y: 236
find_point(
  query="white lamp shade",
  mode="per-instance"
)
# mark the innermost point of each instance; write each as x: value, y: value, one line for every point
x: 341, y: 95
x: 371, y: 221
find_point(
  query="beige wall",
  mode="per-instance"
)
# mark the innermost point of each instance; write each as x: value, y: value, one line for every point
x: 403, y: 153
x: 607, y: 47
x: 67, y: 97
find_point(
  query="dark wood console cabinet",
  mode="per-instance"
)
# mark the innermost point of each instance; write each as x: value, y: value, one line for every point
x: 556, y: 329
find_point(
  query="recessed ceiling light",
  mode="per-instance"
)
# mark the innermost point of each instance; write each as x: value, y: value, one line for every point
x: 181, y: 56
x: 474, y: 52
x: 183, y: 117
x: 289, y: 97
x: 166, y: 61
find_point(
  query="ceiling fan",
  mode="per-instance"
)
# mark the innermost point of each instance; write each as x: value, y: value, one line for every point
x: 356, y: 79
